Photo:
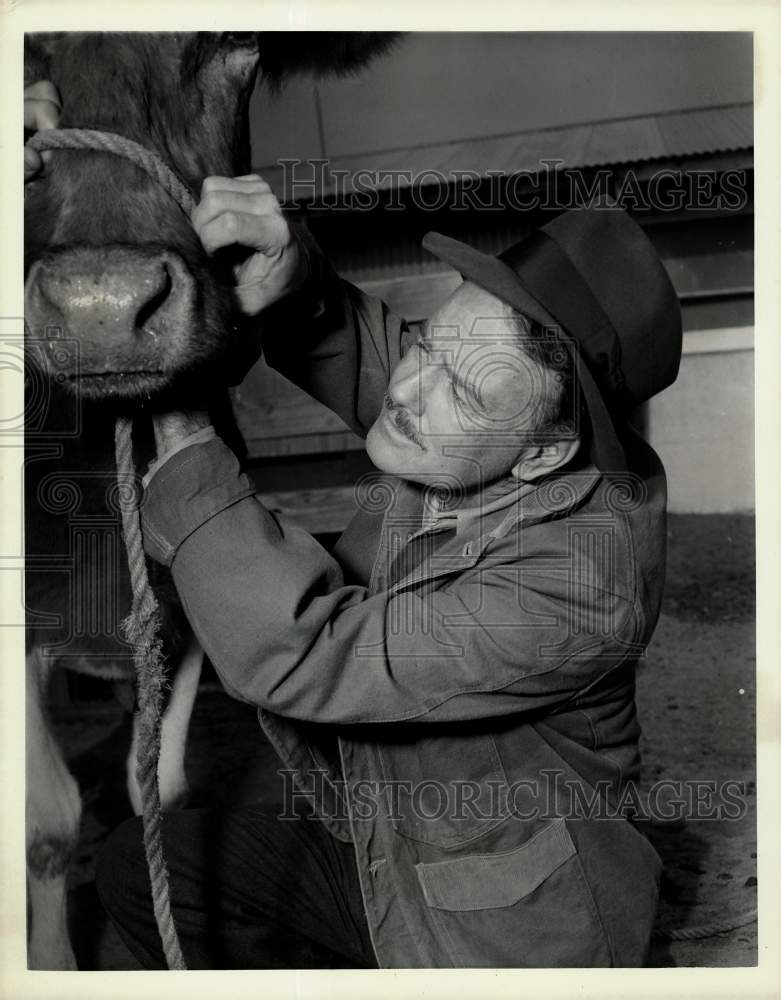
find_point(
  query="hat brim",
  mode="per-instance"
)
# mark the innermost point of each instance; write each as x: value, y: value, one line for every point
x: 493, y: 275
x: 489, y: 273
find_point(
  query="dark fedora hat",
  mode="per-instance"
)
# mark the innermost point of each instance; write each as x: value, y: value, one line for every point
x: 591, y: 274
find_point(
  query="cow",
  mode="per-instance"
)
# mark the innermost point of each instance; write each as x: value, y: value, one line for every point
x: 124, y: 313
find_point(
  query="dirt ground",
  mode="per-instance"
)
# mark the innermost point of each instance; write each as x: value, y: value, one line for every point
x: 696, y: 696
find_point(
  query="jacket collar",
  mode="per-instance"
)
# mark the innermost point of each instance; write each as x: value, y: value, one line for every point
x: 552, y: 498
x: 460, y: 516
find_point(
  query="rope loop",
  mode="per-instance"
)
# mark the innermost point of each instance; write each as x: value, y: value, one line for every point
x: 119, y: 145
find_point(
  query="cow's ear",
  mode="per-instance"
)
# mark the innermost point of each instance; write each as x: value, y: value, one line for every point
x: 285, y: 53
x: 231, y: 52
x: 240, y: 40
x: 239, y: 51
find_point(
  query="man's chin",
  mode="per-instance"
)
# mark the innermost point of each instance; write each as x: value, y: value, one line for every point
x: 397, y: 461
x: 380, y: 451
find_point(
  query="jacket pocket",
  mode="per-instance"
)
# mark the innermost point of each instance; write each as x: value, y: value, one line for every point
x: 447, y: 789
x: 485, y: 881
x: 528, y: 907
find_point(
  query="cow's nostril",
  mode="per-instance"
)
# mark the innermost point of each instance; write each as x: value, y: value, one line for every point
x: 158, y: 299
x: 124, y: 307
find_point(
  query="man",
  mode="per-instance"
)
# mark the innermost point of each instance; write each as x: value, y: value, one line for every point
x: 452, y: 688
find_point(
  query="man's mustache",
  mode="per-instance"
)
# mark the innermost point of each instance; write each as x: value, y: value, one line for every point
x: 402, y: 420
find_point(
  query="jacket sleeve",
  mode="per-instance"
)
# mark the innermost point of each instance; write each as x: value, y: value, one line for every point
x: 285, y: 633
x: 336, y: 343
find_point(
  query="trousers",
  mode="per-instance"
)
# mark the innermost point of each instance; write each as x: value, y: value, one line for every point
x: 248, y: 891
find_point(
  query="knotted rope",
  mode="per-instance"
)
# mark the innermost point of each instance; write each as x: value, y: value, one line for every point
x: 142, y: 626
x: 142, y: 630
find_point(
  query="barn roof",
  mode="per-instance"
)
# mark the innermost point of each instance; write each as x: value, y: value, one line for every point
x: 637, y: 139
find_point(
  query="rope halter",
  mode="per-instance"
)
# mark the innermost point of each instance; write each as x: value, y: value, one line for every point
x: 110, y: 142
x: 142, y: 626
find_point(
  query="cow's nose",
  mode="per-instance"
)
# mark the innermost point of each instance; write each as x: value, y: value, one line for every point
x: 115, y: 302
x: 128, y: 309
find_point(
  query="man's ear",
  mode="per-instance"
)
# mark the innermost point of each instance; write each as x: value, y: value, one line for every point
x: 541, y: 460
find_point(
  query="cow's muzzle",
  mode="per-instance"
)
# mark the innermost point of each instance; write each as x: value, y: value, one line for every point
x: 114, y: 318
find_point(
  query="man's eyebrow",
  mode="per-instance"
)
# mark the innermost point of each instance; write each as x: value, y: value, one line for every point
x: 431, y: 334
x: 466, y: 387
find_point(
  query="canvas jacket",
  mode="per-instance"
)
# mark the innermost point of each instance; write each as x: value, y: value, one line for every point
x: 460, y: 706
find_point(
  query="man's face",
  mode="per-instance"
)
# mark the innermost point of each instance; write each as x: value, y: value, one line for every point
x: 463, y: 403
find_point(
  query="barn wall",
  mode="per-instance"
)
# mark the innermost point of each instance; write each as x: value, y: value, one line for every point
x: 437, y: 87
x: 703, y: 425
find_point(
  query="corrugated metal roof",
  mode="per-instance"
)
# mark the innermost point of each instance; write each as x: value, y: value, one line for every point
x: 673, y: 135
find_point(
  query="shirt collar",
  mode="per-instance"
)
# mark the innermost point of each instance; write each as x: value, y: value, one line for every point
x: 536, y: 500
x: 440, y: 515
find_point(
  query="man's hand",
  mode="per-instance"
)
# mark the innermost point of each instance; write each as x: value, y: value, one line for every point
x: 232, y: 210
x: 240, y: 210
x: 172, y: 428
x: 41, y: 110
x: 244, y: 211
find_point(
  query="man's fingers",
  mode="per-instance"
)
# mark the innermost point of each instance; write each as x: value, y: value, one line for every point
x: 266, y: 233
x: 32, y: 163
x: 42, y: 105
x: 247, y: 184
x: 43, y: 90
x: 39, y: 114
x: 216, y: 202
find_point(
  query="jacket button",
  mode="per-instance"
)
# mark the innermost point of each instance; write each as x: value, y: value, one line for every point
x: 375, y: 866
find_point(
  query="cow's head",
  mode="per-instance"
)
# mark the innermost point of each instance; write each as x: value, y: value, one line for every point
x: 112, y: 262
